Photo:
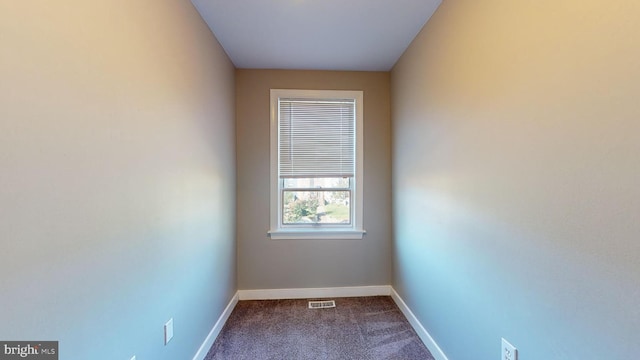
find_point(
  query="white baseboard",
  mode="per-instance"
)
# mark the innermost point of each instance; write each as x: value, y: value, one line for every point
x: 314, y: 293
x: 213, y: 334
x: 428, y: 341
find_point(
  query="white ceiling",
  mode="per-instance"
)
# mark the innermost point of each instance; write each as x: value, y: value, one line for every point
x: 367, y: 35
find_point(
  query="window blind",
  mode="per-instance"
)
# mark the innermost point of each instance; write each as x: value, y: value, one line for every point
x: 316, y: 138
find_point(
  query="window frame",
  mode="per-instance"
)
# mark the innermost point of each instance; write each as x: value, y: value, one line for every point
x: 279, y: 230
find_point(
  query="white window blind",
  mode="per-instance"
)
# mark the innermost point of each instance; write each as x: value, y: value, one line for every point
x: 316, y: 138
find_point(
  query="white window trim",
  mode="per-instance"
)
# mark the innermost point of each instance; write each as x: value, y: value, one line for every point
x: 302, y: 232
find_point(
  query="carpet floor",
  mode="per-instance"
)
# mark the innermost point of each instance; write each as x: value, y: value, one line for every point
x: 359, y: 328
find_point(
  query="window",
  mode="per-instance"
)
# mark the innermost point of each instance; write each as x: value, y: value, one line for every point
x: 316, y: 164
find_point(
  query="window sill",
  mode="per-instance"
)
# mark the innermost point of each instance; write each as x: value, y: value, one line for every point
x: 320, y: 234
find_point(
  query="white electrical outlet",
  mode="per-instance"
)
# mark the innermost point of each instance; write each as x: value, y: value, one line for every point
x: 168, y: 331
x: 509, y: 352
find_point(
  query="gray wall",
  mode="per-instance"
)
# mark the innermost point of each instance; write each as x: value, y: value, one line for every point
x: 272, y: 264
x: 515, y: 178
x: 117, y: 177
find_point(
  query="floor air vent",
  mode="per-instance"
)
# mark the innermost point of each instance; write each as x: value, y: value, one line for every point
x: 322, y: 304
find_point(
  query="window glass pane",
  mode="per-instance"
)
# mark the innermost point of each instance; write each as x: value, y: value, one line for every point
x: 319, y: 183
x: 316, y: 207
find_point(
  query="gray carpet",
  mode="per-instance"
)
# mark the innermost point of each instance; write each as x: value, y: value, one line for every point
x: 360, y: 328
